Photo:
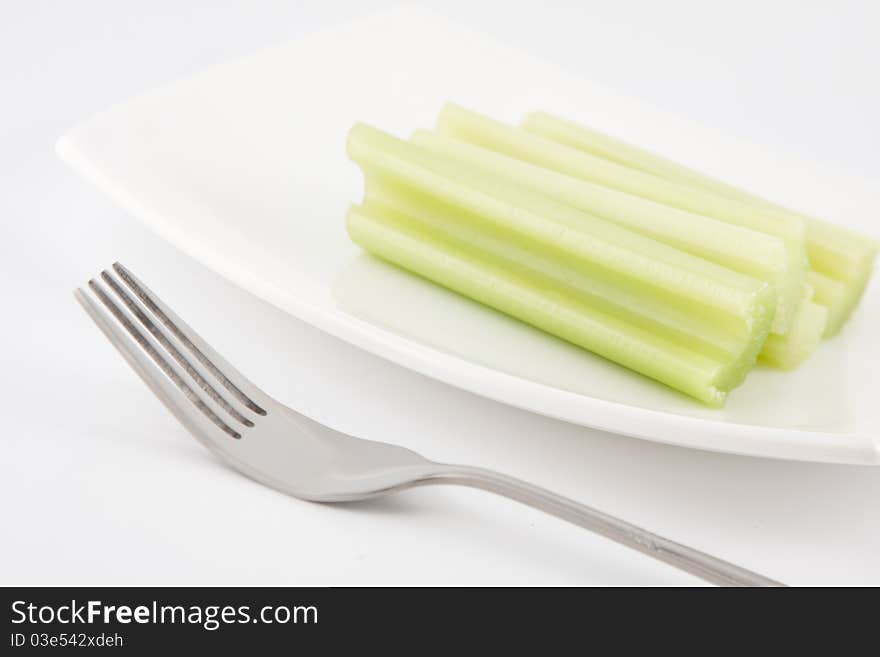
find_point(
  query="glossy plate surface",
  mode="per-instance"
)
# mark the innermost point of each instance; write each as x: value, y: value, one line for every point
x: 243, y: 167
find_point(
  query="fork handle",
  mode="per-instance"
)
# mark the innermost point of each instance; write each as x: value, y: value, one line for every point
x: 707, y: 567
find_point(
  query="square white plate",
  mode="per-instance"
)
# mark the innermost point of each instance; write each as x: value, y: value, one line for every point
x: 244, y: 168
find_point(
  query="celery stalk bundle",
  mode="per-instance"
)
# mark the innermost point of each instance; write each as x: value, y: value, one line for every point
x: 671, y: 279
x: 840, y: 260
x: 680, y: 319
x: 742, y: 249
x: 523, y: 145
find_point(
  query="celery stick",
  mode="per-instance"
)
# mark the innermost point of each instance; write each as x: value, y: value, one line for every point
x: 833, y: 295
x: 585, y: 139
x: 747, y: 251
x: 839, y: 253
x: 790, y: 350
x: 475, y: 128
x: 637, y: 307
x: 571, y: 236
x: 838, y: 297
x: 841, y: 265
x: 834, y: 252
x: 467, y: 271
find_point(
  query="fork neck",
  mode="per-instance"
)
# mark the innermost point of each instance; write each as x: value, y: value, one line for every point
x: 704, y: 566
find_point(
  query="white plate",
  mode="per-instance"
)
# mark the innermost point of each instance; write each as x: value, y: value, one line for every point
x: 244, y: 168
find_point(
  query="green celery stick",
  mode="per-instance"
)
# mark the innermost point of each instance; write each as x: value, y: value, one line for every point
x: 638, y: 307
x: 483, y: 131
x: 841, y: 265
x: 700, y: 307
x: 832, y: 294
x: 570, y: 235
x: 840, y: 298
x: 834, y: 252
x: 790, y: 350
x: 744, y: 250
x: 838, y: 252
x: 408, y: 245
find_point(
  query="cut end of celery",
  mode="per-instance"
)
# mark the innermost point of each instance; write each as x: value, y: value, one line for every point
x: 788, y: 351
x: 840, y: 298
x: 762, y: 313
x: 789, y: 287
x: 716, y: 397
x: 839, y: 252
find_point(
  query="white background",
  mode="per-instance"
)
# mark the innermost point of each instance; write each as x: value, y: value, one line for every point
x: 99, y: 485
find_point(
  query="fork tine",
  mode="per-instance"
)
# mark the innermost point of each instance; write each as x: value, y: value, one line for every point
x: 228, y: 376
x: 173, y: 351
x: 149, y: 363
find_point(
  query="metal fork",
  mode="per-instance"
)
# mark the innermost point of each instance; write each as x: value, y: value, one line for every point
x: 283, y: 449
